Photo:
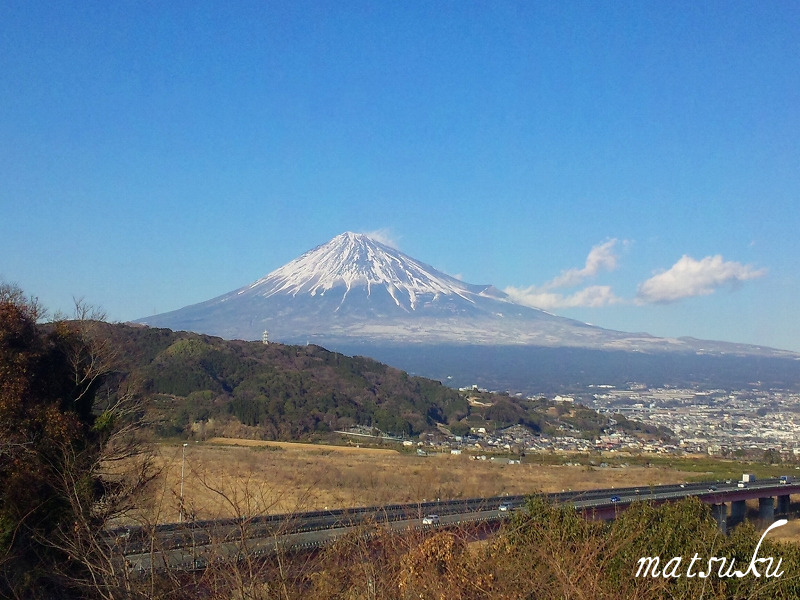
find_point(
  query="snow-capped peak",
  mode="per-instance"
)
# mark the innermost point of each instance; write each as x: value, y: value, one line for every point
x: 355, y: 260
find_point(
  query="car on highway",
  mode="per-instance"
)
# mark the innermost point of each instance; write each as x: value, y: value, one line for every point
x: 430, y: 520
x: 504, y: 507
x: 712, y: 488
x: 615, y: 498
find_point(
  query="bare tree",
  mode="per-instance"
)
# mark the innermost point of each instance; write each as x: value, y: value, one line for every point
x: 75, y: 457
x: 118, y: 464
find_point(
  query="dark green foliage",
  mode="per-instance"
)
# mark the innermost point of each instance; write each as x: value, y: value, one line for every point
x: 569, y: 556
x: 285, y: 391
x: 460, y: 428
x: 630, y: 426
x: 289, y: 392
x: 505, y: 412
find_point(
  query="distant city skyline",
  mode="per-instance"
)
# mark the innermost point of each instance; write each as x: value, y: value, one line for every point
x: 631, y: 165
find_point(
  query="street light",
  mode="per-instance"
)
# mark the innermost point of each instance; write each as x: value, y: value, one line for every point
x: 183, y: 470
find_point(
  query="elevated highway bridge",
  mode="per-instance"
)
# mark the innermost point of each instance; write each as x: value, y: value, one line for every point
x: 195, y: 544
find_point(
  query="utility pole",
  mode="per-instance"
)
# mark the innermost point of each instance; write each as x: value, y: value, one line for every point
x: 183, y: 470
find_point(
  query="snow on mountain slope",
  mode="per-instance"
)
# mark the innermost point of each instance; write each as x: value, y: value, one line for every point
x: 355, y: 260
x: 356, y: 287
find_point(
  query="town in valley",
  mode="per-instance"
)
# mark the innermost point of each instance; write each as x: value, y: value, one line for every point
x: 751, y: 424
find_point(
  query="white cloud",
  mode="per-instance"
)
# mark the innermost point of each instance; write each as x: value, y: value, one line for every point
x: 689, y: 277
x: 601, y: 257
x: 384, y: 236
x: 592, y: 296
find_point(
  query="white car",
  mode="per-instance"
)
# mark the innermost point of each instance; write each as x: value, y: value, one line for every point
x: 430, y: 520
x: 504, y: 507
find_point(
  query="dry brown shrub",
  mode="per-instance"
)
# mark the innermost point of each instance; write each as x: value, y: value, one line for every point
x: 441, y: 567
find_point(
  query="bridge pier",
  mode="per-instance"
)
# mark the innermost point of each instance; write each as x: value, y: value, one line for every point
x: 738, y: 511
x: 766, y: 509
x: 720, y: 514
x: 783, y: 504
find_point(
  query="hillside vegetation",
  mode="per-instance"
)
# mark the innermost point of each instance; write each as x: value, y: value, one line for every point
x: 542, y: 552
x: 206, y: 385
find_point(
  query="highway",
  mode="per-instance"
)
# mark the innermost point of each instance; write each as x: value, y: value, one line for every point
x: 193, y: 545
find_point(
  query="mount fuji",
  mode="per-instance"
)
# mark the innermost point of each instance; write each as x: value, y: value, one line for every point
x: 355, y: 294
x: 355, y: 287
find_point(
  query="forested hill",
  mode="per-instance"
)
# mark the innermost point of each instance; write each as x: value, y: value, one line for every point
x: 284, y: 391
x: 211, y: 386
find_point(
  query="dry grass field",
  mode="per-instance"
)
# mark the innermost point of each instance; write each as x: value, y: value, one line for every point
x: 787, y: 533
x: 224, y: 478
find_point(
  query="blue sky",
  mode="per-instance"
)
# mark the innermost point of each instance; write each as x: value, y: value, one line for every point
x: 635, y: 165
